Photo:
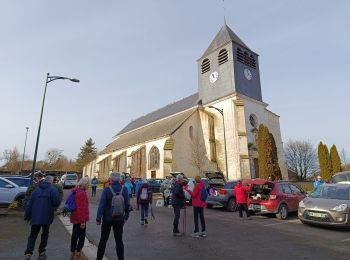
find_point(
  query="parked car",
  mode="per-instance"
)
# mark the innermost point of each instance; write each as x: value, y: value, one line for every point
x: 69, y: 180
x: 155, y: 184
x: 341, y: 177
x: 20, y: 181
x: 10, y: 192
x: 328, y: 204
x: 279, y: 197
x: 223, y: 197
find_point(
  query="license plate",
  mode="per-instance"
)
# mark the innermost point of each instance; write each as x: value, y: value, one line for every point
x: 255, y: 207
x: 317, y: 215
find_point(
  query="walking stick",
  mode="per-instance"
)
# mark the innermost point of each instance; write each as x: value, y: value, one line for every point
x: 152, y: 215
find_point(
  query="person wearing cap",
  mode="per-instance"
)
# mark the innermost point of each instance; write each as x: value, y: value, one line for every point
x: 38, y: 177
x: 178, y: 202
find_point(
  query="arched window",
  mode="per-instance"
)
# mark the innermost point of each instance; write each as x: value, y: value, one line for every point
x: 223, y: 56
x: 190, y: 132
x: 205, y: 66
x: 153, y: 158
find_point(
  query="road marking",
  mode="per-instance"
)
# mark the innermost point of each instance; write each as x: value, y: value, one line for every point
x: 345, y: 240
x: 275, y: 224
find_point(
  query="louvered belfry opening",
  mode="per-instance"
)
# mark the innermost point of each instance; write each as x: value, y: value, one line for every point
x: 223, y: 56
x: 246, y: 58
x: 205, y: 66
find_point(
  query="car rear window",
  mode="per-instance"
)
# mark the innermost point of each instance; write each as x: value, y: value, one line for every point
x: 71, y: 177
x: 331, y: 192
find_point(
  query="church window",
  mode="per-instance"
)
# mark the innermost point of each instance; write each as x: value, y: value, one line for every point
x: 212, y: 139
x: 205, y: 66
x: 154, y: 158
x: 252, y: 62
x: 246, y: 58
x: 240, y: 55
x: 190, y: 130
x: 223, y: 56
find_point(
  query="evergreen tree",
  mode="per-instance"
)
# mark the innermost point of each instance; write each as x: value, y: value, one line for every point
x: 325, y: 162
x: 335, y: 160
x: 87, y: 153
x: 262, y: 151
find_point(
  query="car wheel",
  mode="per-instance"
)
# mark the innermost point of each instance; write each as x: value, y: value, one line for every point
x: 231, y: 205
x: 282, y: 212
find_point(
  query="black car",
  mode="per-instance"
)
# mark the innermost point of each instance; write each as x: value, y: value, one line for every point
x: 155, y: 184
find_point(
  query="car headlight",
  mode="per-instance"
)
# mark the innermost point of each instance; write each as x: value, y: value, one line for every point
x: 301, y: 204
x: 341, y: 207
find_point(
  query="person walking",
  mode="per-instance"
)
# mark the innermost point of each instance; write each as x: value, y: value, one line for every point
x: 110, y: 201
x: 144, y: 198
x: 128, y: 186
x: 198, y: 206
x: 40, y: 212
x: 240, y: 193
x: 94, y: 183
x: 79, y: 218
x: 137, y: 187
x: 178, y: 202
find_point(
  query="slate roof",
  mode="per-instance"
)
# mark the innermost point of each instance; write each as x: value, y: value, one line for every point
x: 161, y: 128
x: 224, y: 36
x: 163, y: 112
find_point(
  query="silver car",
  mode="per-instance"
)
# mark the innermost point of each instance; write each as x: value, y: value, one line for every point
x: 328, y: 204
x: 10, y: 192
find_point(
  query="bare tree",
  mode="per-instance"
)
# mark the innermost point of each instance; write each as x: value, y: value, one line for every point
x: 198, y: 156
x: 344, y: 158
x: 53, y: 157
x: 301, y: 157
x: 12, y: 160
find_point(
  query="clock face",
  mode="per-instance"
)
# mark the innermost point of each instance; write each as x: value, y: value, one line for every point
x: 213, y: 76
x: 248, y: 74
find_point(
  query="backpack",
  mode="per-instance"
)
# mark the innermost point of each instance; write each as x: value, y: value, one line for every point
x: 204, y: 194
x: 144, y: 194
x: 70, y: 206
x: 117, y: 204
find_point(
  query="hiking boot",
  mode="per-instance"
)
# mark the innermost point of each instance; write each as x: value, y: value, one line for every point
x: 142, y: 222
x: 27, y: 256
x: 177, y: 234
x: 203, y: 234
x: 195, y: 235
x: 42, y: 256
x: 146, y: 222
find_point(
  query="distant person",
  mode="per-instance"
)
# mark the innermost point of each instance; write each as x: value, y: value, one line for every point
x: 128, y: 186
x: 178, y: 202
x: 198, y: 204
x: 79, y: 218
x: 113, y: 212
x: 94, y: 183
x: 40, y: 212
x: 137, y: 187
x: 38, y: 176
x: 241, y: 193
x: 144, y: 198
x: 318, y: 182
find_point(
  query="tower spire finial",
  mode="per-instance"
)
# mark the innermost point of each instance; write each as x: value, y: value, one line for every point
x: 224, y: 10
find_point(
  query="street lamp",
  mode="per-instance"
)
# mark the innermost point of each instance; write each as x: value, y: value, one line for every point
x: 221, y: 111
x: 48, y: 80
x: 24, y: 149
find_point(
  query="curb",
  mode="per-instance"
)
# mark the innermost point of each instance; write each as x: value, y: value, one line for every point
x: 89, y: 250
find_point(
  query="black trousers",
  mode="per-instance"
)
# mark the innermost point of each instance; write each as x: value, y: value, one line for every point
x: 244, y: 207
x: 177, y: 209
x: 117, y: 226
x: 198, y: 212
x: 78, y: 238
x: 34, y: 232
x: 93, y: 191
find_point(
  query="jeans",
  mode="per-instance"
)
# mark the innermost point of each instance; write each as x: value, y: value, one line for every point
x: 144, y: 211
x: 198, y: 211
x: 117, y: 226
x: 34, y: 232
x: 244, y: 207
x: 177, y: 209
x: 93, y: 191
x: 78, y: 238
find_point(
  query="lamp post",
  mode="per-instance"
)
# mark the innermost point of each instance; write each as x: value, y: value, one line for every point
x: 48, y: 80
x: 221, y: 111
x: 24, y: 149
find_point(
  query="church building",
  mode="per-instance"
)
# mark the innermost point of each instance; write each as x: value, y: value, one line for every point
x: 214, y: 129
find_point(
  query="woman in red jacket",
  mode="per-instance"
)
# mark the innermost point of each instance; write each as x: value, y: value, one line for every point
x: 198, y: 207
x: 79, y: 217
x: 240, y: 193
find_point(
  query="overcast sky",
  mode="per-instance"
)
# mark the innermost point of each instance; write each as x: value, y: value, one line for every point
x: 133, y: 57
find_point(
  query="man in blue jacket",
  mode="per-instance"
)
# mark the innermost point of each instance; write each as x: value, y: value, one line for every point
x: 40, y: 212
x: 104, y: 214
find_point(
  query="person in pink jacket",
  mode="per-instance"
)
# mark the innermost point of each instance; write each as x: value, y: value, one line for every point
x: 198, y: 207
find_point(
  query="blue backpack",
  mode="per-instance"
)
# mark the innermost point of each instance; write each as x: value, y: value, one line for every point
x: 70, y: 205
x: 204, y: 194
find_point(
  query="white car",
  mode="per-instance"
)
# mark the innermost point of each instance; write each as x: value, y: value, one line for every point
x: 10, y: 192
x: 69, y: 180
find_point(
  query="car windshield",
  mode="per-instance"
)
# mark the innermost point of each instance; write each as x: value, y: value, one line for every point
x: 331, y: 192
x: 22, y: 182
x: 341, y: 177
x: 71, y: 177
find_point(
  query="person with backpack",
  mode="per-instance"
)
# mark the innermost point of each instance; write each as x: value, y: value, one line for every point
x: 94, y: 183
x: 79, y: 217
x: 199, y: 197
x: 113, y: 212
x: 144, y: 198
x: 241, y: 193
x: 40, y: 212
x: 178, y: 202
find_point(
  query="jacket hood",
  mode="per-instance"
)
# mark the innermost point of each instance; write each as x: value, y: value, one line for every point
x: 44, y: 185
x: 239, y: 184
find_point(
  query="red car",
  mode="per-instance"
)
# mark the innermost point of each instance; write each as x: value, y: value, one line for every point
x: 278, y: 197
